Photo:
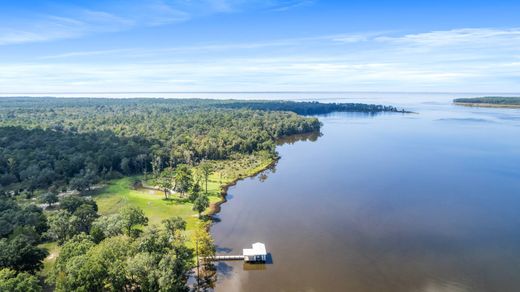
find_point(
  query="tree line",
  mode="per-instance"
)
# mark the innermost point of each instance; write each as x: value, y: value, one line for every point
x: 309, y: 108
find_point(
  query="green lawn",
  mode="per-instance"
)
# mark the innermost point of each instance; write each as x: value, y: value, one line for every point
x: 119, y: 193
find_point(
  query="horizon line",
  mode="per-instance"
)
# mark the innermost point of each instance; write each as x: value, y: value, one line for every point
x: 249, y: 92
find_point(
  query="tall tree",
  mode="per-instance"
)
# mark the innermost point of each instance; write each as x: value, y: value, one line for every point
x: 173, y: 226
x: 49, y: 198
x: 201, y: 203
x: 62, y: 226
x: 206, y: 169
x: 85, y: 214
x: 183, y: 179
x: 132, y: 217
x: 156, y: 166
x: 165, y: 181
x: 205, y: 252
x: 194, y: 192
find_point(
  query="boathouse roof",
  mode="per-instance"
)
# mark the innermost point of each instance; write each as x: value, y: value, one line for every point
x: 258, y: 249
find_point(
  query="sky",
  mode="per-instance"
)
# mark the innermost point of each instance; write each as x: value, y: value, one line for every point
x: 271, y: 45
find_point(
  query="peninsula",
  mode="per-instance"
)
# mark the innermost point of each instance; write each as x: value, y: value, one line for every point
x: 489, y: 101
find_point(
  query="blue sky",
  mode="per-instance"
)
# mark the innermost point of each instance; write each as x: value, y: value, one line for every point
x: 271, y: 45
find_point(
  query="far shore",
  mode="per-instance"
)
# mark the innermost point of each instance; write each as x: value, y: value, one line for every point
x: 514, y: 106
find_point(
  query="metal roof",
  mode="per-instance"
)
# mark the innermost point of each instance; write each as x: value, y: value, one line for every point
x: 258, y: 249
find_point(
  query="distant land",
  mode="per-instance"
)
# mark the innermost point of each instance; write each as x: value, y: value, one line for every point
x: 490, y: 101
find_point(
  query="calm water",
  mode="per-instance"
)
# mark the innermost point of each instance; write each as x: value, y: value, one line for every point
x: 420, y: 202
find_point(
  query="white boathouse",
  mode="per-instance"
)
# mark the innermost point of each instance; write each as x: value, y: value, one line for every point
x: 256, y: 254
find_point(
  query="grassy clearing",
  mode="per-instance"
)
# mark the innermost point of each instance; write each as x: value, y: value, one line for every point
x: 120, y: 193
x: 48, y: 263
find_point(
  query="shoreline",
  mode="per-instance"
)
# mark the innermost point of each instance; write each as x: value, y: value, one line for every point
x: 215, y: 208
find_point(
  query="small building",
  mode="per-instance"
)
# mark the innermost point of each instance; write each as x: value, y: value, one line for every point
x: 256, y: 254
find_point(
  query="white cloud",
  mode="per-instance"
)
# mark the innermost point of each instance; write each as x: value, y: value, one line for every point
x: 385, y: 61
x: 38, y: 28
x: 67, y: 21
x: 290, y: 4
x: 78, y: 54
x: 355, y: 38
x: 457, y: 37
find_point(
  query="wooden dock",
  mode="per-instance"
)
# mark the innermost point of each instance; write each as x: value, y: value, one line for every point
x: 227, y: 258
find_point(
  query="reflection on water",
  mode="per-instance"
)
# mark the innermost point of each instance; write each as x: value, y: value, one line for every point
x: 312, y: 137
x: 426, y: 202
x: 253, y: 267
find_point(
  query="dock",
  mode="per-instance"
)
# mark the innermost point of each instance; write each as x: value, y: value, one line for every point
x: 255, y: 254
x: 228, y: 258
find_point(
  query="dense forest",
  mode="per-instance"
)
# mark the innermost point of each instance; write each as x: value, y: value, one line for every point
x: 63, y: 142
x: 493, y: 100
x: 54, y: 142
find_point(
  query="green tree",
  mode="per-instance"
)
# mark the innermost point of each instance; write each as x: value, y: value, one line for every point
x: 49, y: 198
x: 62, y: 226
x: 206, y: 169
x: 201, y: 203
x: 81, y: 273
x: 165, y: 181
x: 205, y: 250
x: 160, y: 264
x: 125, y: 166
x: 142, y: 269
x: 112, y: 254
x: 108, y: 226
x: 152, y: 241
x: 79, y: 183
x: 18, y: 282
x: 132, y: 217
x: 173, y: 226
x: 73, y: 202
x: 84, y: 180
x: 174, y: 271
x: 77, y: 246
x: 194, y: 192
x: 183, y: 179
x: 156, y: 166
x: 85, y: 214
